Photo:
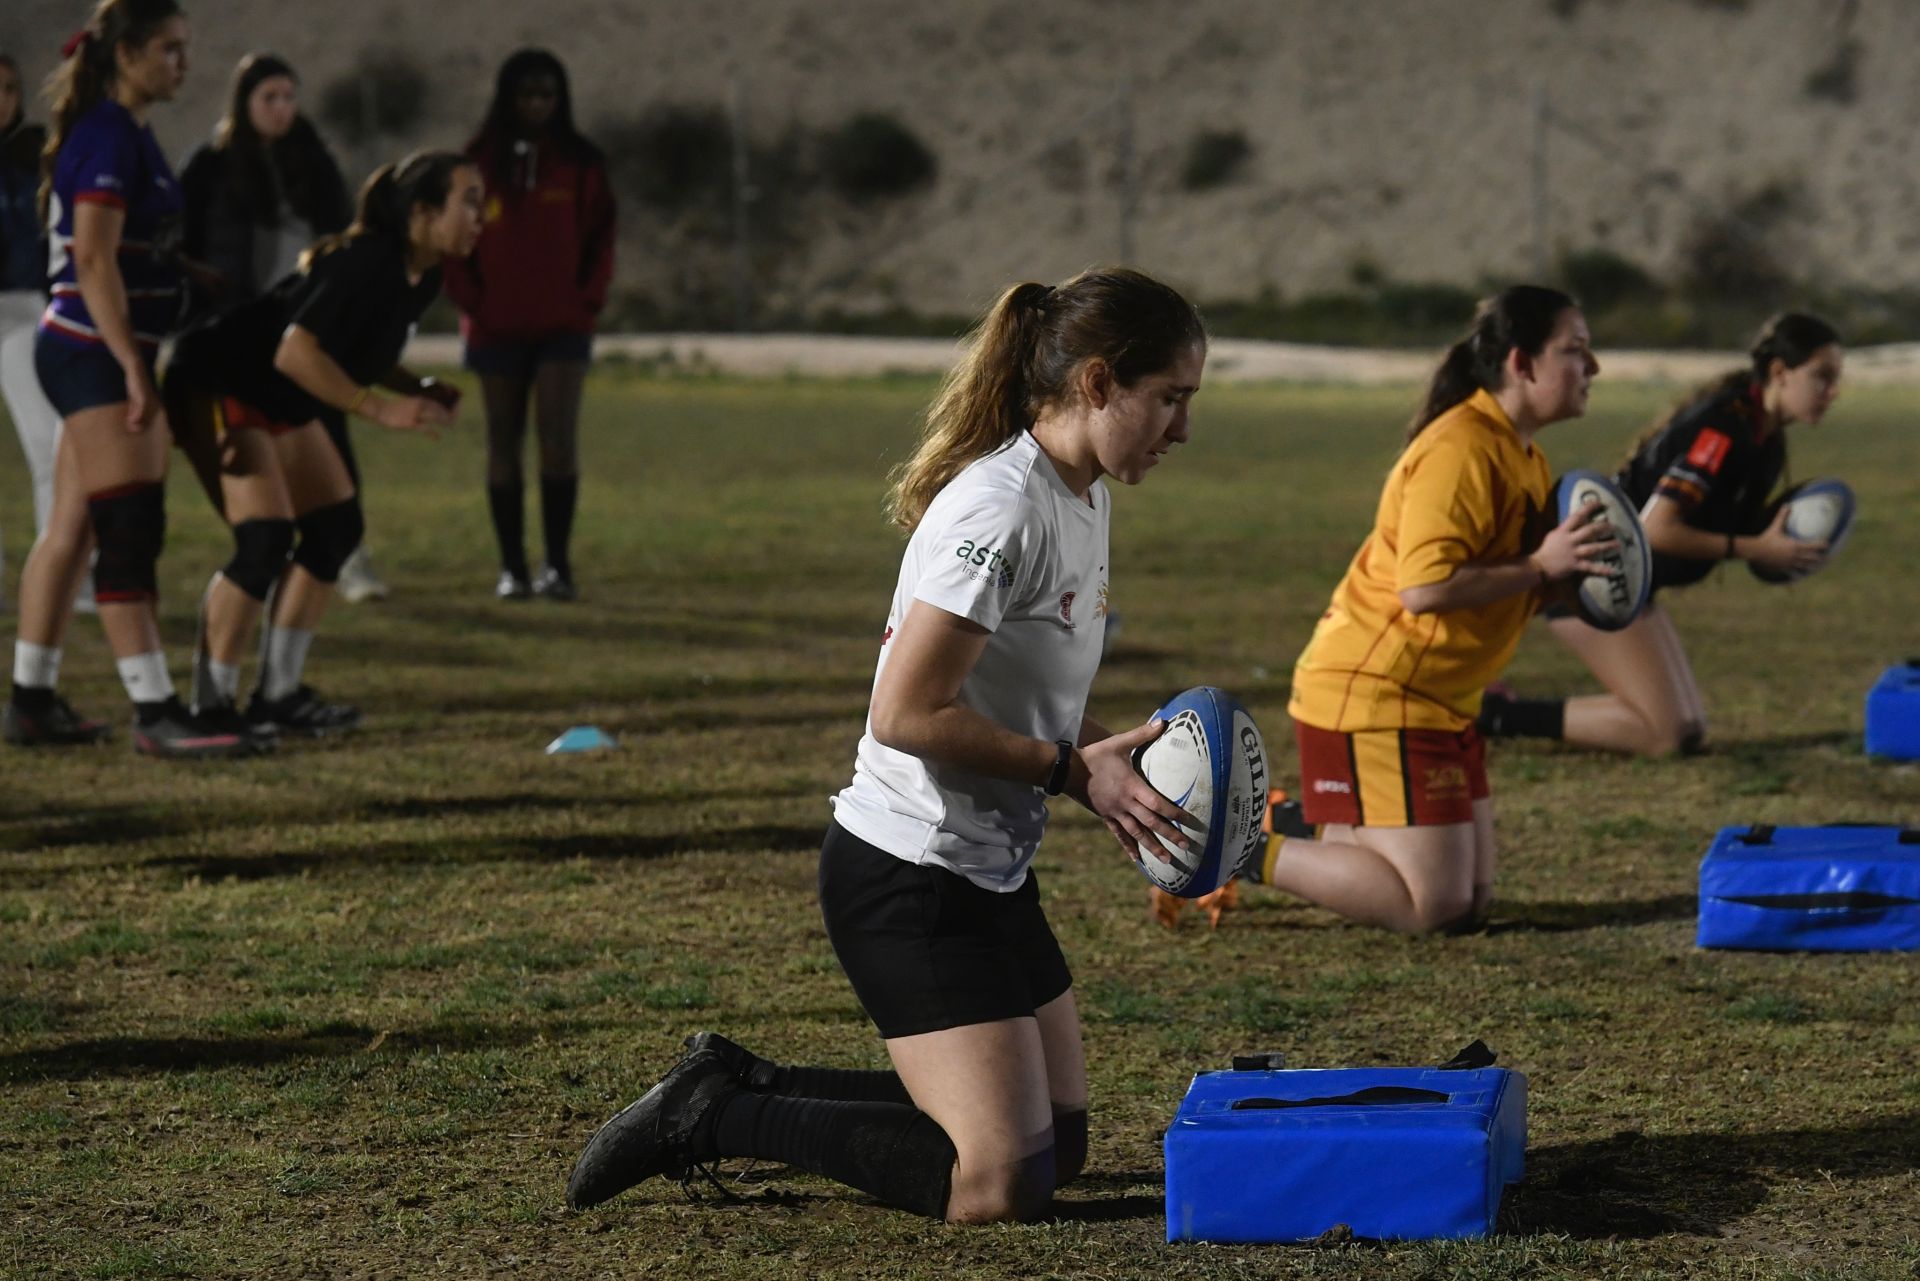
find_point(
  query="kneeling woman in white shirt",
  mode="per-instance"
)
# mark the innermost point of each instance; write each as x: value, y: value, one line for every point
x: 978, y: 713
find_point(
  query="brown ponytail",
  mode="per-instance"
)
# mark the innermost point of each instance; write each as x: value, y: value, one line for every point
x: 1522, y: 316
x: 87, y: 75
x: 1023, y: 358
x: 388, y: 198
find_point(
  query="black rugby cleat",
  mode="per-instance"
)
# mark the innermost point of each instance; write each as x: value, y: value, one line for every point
x: 170, y: 730
x: 668, y: 1130
x: 302, y: 712
x: 748, y: 1068
x: 54, y: 725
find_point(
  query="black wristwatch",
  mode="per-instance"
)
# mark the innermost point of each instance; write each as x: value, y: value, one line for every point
x: 1062, y: 766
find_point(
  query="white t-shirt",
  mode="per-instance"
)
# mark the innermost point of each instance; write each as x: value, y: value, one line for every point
x: 1009, y: 546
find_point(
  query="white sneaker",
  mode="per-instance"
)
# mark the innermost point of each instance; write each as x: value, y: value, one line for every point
x: 358, y: 580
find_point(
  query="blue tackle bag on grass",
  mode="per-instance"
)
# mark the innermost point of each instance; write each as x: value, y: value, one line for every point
x: 1893, y: 713
x: 1811, y: 889
x: 1389, y: 1153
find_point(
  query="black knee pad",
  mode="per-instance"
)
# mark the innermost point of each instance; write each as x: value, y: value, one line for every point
x: 260, y: 551
x: 328, y: 536
x: 129, y: 528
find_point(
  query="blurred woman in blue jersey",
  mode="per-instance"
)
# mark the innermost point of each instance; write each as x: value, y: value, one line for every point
x: 113, y: 213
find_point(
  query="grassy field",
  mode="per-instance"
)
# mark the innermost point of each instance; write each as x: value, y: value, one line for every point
x: 352, y: 1010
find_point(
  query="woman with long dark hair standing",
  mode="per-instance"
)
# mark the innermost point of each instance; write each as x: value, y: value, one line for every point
x: 250, y: 386
x: 530, y: 297
x: 1705, y: 479
x: 113, y: 212
x: 261, y: 190
x: 978, y: 715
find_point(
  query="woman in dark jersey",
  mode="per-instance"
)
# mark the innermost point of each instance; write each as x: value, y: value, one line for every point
x: 260, y: 191
x: 249, y: 389
x: 1707, y: 480
x: 113, y: 215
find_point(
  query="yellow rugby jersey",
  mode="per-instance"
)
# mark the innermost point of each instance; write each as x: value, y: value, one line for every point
x: 1468, y: 488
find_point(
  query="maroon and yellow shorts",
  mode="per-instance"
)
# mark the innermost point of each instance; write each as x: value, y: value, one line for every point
x: 236, y: 414
x: 1390, y: 777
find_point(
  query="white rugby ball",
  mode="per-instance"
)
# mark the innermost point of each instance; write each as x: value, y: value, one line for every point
x: 1818, y: 511
x: 1211, y: 762
x: 1609, y: 602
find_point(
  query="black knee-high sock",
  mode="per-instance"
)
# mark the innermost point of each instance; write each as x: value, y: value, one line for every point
x: 890, y: 1151
x: 848, y: 1085
x: 1069, y: 1146
x: 1523, y: 717
x: 509, y: 526
x: 558, y: 494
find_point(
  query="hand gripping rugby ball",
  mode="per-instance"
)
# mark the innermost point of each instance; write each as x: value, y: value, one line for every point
x: 1818, y: 511
x: 1211, y: 762
x: 1609, y: 603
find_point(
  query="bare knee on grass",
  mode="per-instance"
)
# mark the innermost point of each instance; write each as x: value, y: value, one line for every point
x: 1439, y: 912
x: 1017, y: 1193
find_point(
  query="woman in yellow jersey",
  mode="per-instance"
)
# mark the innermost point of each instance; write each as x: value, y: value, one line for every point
x: 1394, y: 826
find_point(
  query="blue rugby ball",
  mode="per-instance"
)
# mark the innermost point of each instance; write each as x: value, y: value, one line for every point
x: 1817, y: 511
x: 1211, y: 762
x: 1609, y: 602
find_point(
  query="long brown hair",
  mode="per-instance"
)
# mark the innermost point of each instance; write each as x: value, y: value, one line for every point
x: 297, y: 166
x: 1790, y: 337
x: 1521, y: 316
x: 87, y: 74
x: 1023, y: 358
x: 388, y: 197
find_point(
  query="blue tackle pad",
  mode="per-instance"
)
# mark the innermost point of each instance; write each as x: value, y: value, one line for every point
x: 1893, y: 713
x: 1811, y: 889
x: 1392, y: 1153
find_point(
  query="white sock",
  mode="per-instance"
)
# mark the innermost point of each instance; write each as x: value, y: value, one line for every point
x: 35, y: 666
x: 225, y: 678
x: 286, y: 661
x: 145, y: 676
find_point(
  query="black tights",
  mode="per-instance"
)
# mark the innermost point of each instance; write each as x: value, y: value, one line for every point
x: 553, y: 393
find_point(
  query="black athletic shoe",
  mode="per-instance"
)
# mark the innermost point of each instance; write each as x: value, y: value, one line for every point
x: 226, y: 717
x: 554, y: 585
x: 55, y: 725
x: 512, y: 586
x: 302, y: 712
x: 748, y: 1068
x: 174, y: 732
x: 668, y: 1130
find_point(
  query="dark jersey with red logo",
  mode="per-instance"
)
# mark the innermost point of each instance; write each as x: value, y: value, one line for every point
x: 1714, y: 463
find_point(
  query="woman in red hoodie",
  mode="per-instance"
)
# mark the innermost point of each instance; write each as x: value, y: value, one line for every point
x: 529, y: 298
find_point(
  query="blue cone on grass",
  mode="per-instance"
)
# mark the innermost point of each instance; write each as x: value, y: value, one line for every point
x: 582, y: 738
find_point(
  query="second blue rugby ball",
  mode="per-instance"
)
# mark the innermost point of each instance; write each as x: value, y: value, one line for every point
x: 1817, y: 511
x: 1212, y: 763
x: 1609, y: 602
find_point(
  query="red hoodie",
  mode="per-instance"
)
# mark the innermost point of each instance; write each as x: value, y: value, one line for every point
x: 545, y: 256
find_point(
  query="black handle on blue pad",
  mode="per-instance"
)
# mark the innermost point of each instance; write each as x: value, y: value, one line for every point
x: 1271, y: 1061
x: 1372, y: 1097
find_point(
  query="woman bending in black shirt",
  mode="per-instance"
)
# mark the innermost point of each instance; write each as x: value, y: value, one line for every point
x: 249, y: 389
x: 1705, y: 479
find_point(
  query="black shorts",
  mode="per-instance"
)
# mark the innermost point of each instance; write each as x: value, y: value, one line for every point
x: 78, y: 376
x: 519, y: 358
x: 927, y: 950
